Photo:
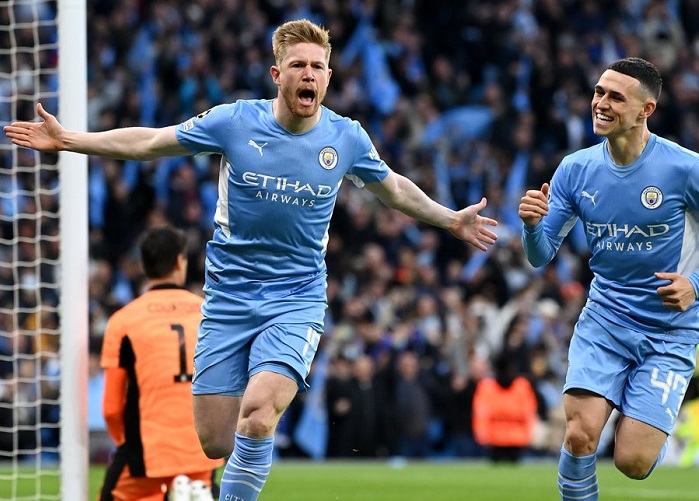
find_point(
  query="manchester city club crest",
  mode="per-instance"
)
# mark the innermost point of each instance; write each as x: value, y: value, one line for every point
x: 327, y: 158
x: 651, y: 197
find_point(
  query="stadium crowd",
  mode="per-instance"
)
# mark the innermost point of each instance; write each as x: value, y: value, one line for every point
x: 468, y: 99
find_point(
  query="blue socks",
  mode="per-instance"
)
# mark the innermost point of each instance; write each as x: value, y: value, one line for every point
x: 247, y: 468
x: 577, y: 477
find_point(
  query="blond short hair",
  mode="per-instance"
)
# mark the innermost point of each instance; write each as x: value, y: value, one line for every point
x: 295, y: 32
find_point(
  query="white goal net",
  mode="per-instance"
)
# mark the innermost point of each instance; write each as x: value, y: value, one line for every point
x: 43, y: 259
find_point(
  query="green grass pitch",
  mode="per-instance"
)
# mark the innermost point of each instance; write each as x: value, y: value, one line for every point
x: 461, y: 481
x: 431, y: 481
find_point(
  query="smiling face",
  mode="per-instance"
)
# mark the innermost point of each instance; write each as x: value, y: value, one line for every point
x: 620, y: 105
x: 303, y: 77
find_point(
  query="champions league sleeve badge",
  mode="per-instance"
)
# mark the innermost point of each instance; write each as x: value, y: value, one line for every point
x: 189, y: 124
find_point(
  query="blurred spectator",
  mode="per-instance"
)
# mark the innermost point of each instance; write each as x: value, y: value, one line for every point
x: 504, y: 412
x: 459, y: 411
x: 371, y: 433
x: 338, y: 398
x: 413, y: 408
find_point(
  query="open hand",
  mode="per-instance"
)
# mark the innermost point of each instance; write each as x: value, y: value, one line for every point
x: 471, y: 227
x: 43, y: 136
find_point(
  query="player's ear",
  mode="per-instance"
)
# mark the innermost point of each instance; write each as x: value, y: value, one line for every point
x: 182, y: 260
x: 274, y: 71
x: 648, y: 108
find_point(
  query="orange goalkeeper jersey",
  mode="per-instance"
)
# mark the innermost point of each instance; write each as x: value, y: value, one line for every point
x: 152, y: 338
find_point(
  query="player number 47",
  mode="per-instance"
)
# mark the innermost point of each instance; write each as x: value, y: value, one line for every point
x: 673, y: 382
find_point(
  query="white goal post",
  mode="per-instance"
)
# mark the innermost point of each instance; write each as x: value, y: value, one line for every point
x: 74, y: 312
x: 43, y: 226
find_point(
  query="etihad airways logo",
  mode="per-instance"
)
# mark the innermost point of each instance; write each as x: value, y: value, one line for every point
x: 285, y: 190
x: 626, y: 230
x: 284, y: 184
x: 625, y: 237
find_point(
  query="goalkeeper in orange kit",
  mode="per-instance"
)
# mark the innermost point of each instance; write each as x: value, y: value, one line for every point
x: 147, y: 357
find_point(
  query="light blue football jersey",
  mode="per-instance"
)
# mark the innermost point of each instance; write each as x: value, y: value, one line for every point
x: 277, y: 191
x: 638, y: 219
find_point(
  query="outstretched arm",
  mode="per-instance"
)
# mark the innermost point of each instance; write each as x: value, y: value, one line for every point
x: 131, y: 143
x: 399, y: 192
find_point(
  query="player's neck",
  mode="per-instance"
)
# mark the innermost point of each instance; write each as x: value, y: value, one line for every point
x: 162, y: 284
x: 174, y: 279
x: 626, y: 150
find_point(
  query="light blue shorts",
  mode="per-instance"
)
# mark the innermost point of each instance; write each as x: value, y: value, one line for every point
x: 645, y: 378
x: 241, y: 336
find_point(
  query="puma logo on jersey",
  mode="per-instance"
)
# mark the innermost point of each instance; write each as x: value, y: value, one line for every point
x: 591, y: 197
x: 258, y: 147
